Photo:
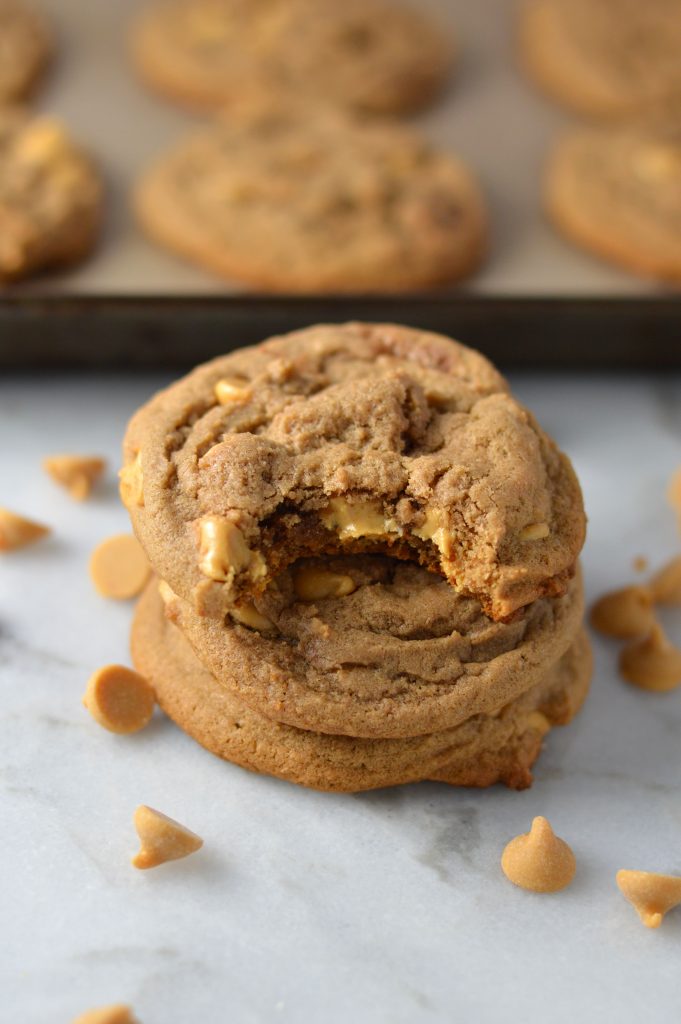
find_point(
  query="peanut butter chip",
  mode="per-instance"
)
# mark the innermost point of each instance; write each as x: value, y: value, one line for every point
x: 665, y: 585
x: 232, y: 390
x: 117, y: 1014
x: 652, y: 663
x: 624, y: 613
x: 539, y: 860
x: 77, y: 473
x: 119, y: 699
x: 674, y: 491
x: 17, y: 532
x: 248, y: 615
x: 311, y: 584
x: 651, y: 895
x: 162, y: 838
x: 119, y: 567
x: 131, y: 483
x: 535, y: 531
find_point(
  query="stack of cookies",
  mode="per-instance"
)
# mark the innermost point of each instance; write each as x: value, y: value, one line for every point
x: 366, y: 557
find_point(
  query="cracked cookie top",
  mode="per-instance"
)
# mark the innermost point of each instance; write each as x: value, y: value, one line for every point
x: 350, y: 438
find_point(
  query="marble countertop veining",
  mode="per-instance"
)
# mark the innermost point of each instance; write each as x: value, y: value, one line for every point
x: 303, y: 907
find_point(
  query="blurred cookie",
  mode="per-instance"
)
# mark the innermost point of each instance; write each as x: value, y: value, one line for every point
x: 604, y: 57
x: 25, y: 47
x: 499, y: 747
x: 312, y: 200
x: 50, y: 196
x: 395, y: 653
x: 365, y: 54
x: 617, y: 192
x: 350, y: 438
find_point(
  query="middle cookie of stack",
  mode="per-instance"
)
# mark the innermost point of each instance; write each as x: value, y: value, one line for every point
x: 370, y: 550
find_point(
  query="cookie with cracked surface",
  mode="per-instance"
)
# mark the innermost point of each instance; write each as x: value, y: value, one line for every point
x: 499, y: 747
x: 361, y: 54
x: 371, y: 646
x: 299, y: 199
x: 355, y: 437
x: 605, y: 58
x: 25, y: 48
x: 615, y: 192
x: 50, y: 196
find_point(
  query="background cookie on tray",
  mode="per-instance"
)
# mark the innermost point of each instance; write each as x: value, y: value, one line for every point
x: 50, y: 196
x: 485, y: 749
x: 617, y: 192
x: 604, y: 57
x: 300, y: 198
x: 351, y: 437
x: 25, y: 49
x: 365, y: 54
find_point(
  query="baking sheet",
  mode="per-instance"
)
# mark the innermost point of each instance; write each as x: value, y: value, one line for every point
x: 490, y: 116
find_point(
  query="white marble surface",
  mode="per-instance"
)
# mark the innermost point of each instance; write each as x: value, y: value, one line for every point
x: 388, y: 907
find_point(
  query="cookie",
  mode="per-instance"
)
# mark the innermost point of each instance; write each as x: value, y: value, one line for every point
x: 350, y: 438
x: 606, y: 58
x: 483, y: 750
x: 397, y: 653
x: 297, y: 199
x: 25, y: 47
x: 616, y: 193
x: 361, y: 54
x: 50, y: 196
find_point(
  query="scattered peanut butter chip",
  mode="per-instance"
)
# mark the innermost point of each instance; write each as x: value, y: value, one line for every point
x: 118, y: 1014
x: 624, y: 613
x: 674, y: 491
x: 120, y: 699
x: 651, y: 895
x: 652, y: 663
x: 77, y: 473
x: 161, y: 838
x: 17, y: 532
x: 535, y: 531
x: 665, y: 585
x: 312, y: 584
x: 539, y: 860
x: 639, y: 563
x: 119, y: 567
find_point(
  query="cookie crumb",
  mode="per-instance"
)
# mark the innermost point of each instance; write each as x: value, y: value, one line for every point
x: 665, y: 585
x: 17, y: 532
x: 651, y: 895
x: 118, y: 1014
x: 120, y: 699
x: 624, y: 613
x: 119, y: 567
x: 77, y: 473
x: 639, y: 563
x: 539, y: 860
x: 162, y: 838
x: 652, y: 663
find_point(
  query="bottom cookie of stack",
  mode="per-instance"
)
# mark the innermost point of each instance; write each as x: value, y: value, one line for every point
x: 482, y: 750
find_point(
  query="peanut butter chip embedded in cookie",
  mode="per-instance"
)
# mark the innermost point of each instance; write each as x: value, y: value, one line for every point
x: 624, y: 613
x: 162, y: 838
x: 651, y: 895
x: 233, y: 389
x: 17, y: 532
x: 248, y: 615
x: 77, y: 473
x: 652, y: 663
x: 119, y: 567
x: 120, y: 699
x: 118, y: 1014
x: 539, y: 860
x: 131, y: 486
x: 313, y: 584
